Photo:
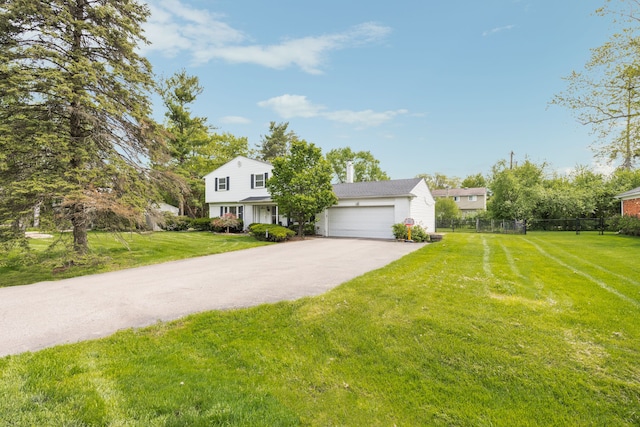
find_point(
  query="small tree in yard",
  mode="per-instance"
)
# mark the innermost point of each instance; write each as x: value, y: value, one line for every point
x: 301, y: 183
x: 446, y: 209
x: 226, y: 222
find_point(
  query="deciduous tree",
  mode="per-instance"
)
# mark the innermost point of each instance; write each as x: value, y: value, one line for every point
x: 474, y: 181
x: 365, y: 166
x: 301, y: 183
x: 446, y: 209
x: 516, y: 190
x: 439, y: 181
x: 606, y: 95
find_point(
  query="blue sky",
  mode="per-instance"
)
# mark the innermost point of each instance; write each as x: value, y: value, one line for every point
x: 426, y: 86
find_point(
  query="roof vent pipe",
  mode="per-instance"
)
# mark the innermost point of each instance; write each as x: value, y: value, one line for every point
x: 349, y: 172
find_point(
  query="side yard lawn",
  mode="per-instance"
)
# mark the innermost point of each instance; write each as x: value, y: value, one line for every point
x: 111, y: 252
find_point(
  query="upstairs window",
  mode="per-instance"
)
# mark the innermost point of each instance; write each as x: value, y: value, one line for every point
x: 222, y: 184
x: 259, y: 180
x: 473, y: 198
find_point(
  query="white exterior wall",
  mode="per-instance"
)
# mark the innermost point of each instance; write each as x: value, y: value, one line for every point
x: 239, y: 171
x: 423, y: 207
x: 420, y: 207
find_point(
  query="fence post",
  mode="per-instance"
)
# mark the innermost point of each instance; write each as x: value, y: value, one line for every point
x: 577, y: 225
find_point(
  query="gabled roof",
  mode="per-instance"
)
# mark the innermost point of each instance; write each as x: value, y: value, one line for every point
x: 476, y: 191
x: 238, y: 159
x: 391, y: 188
x: 631, y: 193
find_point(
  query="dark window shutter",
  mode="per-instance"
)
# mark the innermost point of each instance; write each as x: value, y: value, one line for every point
x: 253, y: 180
x: 221, y: 210
x: 216, y: 185
x: 266, y: 177
x: 227, y: 183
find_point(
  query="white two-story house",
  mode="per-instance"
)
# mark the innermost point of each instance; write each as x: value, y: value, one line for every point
x: 239, y: 187
x: 364, y: 209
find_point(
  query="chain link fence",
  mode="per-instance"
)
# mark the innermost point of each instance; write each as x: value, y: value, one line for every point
x: 576, y: 225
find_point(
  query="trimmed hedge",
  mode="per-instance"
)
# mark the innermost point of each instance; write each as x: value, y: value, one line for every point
x: 271, y: 232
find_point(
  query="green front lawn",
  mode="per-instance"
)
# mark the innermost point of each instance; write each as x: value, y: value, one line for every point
x: 111, y: 252
x: 477, y: 330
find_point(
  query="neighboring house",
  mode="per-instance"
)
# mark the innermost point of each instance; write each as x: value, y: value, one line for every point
x: 166, y: 207
x: 469, y: 200
x: 364, y: 209
x: 154, y: 216
x: 630, y: 202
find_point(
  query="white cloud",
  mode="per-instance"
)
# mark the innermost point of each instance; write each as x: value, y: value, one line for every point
x: 235, y: 120
x: 175, y: 27
x: 365, y: 118
x: 290, y: 106
x: 498, y: 30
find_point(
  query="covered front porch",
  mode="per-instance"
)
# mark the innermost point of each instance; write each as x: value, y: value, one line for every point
x: 262, y: 210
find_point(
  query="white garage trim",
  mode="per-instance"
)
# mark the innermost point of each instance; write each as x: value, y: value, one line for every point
x: 361, y: 221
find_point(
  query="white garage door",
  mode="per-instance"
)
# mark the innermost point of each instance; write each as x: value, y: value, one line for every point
x: 366, y: 221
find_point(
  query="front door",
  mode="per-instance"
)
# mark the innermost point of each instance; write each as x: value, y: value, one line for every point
x: 267, y: 214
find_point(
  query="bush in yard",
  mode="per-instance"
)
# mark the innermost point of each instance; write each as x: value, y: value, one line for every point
x: 399, y: 231
x: 226, y: 222
x: 418, y: 234
x: 200, y: 224
x: 309, y: 228
x: 175, y: 223
x: 271, y: 232
x: 629, y: 225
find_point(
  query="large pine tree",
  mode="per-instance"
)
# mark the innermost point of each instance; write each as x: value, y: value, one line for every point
x: 75, y: 132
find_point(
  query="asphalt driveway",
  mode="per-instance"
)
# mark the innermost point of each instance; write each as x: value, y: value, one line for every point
x: 46, y: 314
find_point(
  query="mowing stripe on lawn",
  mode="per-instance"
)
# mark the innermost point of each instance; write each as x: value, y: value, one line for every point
x: 512, y: 263
x: 486, y: 264
x: 590, y: 264
x: 600, y: 283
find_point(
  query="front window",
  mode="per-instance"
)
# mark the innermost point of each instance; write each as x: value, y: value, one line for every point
x: 222, y: 184
x: 238, y: 211
x: 473, y: 198
x: 259, y: 180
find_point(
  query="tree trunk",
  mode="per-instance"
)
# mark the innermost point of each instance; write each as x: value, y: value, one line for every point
x: 79, y: 221
x: 301, y: 228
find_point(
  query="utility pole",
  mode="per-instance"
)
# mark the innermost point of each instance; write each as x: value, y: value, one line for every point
x: 511, y: 162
